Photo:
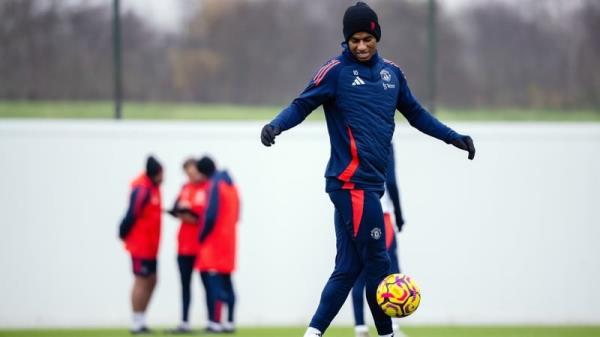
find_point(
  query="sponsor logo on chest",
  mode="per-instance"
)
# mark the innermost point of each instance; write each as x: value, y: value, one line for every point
x: 357, y: 80
x: 386, y: 79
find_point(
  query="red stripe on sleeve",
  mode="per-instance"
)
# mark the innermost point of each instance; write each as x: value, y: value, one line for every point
x: 324, y: 70
x: 390, y: 62
x: 320, y: 71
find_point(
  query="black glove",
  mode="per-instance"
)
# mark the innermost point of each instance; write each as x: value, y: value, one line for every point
x: 125, y: 227
x: 465, y: 143
x: 123, y: 232
x: 399, y: 222
x: 268, y: 134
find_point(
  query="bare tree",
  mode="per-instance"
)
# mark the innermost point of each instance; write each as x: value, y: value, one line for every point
x: 539, y: 54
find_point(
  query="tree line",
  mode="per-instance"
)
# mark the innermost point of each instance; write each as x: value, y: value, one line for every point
x: 540, y: 54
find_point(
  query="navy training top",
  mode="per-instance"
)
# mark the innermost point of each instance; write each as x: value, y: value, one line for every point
x: 360, y: 100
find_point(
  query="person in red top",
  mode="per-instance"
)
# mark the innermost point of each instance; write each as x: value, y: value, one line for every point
x: 140, y: 231
x: 189, y: 207
x: 216, y: 254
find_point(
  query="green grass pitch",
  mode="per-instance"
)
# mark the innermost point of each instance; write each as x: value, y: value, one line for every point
x: 180, y: 111
x: 438, y: 331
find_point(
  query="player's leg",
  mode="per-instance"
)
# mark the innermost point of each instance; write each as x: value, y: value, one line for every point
x: 347, y: 266
x: 186, y: 269
x: 371, y: 244
x: 394, y: 269
x: 229, y: 299
x: 358, y: 301
x: 143, y: 286
x: 212, y: 286
x: 394, y: 261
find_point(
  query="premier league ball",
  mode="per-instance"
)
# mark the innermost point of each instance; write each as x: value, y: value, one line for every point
x: 398, y: 295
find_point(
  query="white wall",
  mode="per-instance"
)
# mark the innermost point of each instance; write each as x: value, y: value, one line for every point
x: 512, y: 237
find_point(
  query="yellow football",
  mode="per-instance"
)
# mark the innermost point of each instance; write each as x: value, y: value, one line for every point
x: 398, y: 295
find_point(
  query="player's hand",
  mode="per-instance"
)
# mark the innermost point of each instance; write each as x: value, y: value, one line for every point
x: 465, y: 143
x: 399, y: 222
x: 123, y: 233
x: 268, y: 134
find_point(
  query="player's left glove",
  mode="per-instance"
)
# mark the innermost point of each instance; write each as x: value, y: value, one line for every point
x: 465, y: 143
x: 268, y: 134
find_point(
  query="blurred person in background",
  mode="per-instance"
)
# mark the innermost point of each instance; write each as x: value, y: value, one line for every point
x: 140, y: 230
x: 188, y: 208
x: 393, y: 220
x: 217, y: 250
x: 360, y: 92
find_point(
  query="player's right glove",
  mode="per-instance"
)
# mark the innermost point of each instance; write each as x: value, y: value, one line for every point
x: 268, y: 134
x: 399, y: 221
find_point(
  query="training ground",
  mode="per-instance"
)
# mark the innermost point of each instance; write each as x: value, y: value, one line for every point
x: 503, y: 246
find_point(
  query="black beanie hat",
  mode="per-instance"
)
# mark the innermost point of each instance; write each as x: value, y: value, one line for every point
x: 361, y: 18
x: 206, y: 166
x: 153, y: 167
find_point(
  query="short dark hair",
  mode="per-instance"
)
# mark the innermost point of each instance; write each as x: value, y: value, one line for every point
x: 188, y: 162
x: 153, y: 166
x: 206, y: 166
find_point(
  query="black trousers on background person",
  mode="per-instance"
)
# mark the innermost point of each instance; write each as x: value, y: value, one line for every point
x: 186, y: 269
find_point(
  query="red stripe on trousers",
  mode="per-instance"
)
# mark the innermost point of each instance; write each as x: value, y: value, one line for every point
x: 358, y: 201
x: 218, y: 310
x: 389, y: 230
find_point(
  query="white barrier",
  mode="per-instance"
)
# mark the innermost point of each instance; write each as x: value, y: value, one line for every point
x: 512, y: 237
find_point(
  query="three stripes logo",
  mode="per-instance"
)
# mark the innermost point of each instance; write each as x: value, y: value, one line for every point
x: 358, y: 81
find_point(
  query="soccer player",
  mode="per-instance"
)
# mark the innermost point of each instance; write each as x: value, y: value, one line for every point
x: 390, y: 204
x: 360, y: 92
x: 216, y: 255
x: 140, y: 230
x: 188, y: 207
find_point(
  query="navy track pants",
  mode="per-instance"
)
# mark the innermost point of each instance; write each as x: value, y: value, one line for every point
x: 360, y: 243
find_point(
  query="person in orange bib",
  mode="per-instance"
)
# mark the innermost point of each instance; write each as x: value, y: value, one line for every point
x: 217, y: 251
x: 189, y: 207
x: 140, y: 231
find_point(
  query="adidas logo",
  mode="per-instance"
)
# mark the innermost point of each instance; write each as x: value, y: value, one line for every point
x: 358, y: 81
